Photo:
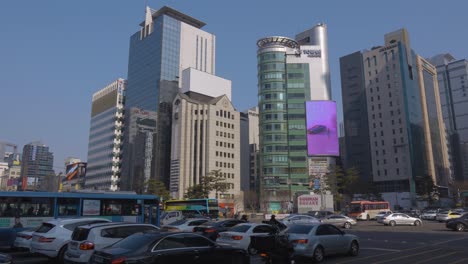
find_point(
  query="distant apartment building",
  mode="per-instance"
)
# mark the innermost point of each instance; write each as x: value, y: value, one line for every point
x: 167, y: 43
x: 105, y: 137
x: 36, y: 164
x: 394, y: 132
x: 452, y: 75
x: 3, y: 175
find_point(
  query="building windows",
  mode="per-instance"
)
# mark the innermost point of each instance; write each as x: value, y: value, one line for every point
x: 396, y: 159
x: 398, y: 171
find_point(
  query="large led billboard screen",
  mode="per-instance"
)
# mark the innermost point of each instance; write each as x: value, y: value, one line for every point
x: 322, y: 134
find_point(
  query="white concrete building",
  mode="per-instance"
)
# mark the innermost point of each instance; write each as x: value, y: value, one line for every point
x: 205, y: 137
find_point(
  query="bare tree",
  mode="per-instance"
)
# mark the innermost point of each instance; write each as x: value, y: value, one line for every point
x: 251, y: 200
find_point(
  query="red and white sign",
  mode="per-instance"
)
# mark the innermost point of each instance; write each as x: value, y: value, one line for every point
x: 308, y: 201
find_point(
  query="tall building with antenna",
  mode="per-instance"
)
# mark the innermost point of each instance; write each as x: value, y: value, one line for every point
x: 167, y: 43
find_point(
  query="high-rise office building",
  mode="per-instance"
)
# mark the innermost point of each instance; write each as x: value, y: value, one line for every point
x: 291, y: 72
x: 452, y: 75
x: 167, y: 43
x: 105, y: 137
x: 393, y: 123
x: 36, y: 164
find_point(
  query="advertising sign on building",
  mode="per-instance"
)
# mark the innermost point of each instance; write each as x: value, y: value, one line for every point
x: 91, y: 207
x: 322, y: 133
x: 76, y: 170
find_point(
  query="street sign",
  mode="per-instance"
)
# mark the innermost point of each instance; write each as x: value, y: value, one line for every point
x: 317, y: 184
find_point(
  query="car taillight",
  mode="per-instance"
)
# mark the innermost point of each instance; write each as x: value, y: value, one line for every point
x: 300, y: 241
x: 210, y: 230
x: 87, y: 245
x: 218, y: 236
x: 46, y: 239
x: 193, y: 230
x: 120, y: 260
x: 236, y: 237
x: 25, y: 236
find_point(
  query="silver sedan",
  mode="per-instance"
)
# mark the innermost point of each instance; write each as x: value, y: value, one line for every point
x: 299, y: 219
x: 340, y: 221
x: 401, y: 219
x: 315, y: 241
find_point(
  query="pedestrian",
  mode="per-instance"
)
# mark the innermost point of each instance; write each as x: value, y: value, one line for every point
x: 18, y: 223
x: 244, y: 218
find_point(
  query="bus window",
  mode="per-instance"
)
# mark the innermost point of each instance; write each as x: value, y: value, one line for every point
x: 67, y: 206
x: 112, y: 207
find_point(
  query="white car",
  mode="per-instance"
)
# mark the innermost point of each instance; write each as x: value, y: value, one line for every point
x: 52, y: 237
x: 88, y: 238
x: 23, y: 240
x: 185, y: 225
x: 299, y: 219
x: 401, y: 219
x: 239, y: 235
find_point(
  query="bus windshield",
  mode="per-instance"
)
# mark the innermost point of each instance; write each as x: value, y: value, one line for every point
x: 355, y: 208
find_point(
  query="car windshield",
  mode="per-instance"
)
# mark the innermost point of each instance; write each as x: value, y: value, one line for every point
x: 299, y: 229
x: 240, y: 228
x: 134, y: 242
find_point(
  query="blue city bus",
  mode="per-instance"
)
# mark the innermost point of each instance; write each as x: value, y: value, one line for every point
x: 27, y: 210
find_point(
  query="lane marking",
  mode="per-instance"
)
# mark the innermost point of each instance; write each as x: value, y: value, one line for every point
x: 431, y: 258
x: 465, y: 260
x: 447, y: 241
x: 383, y: 249
x: 407, y: 256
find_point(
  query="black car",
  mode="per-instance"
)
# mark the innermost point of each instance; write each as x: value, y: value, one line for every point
x: 212, y: 229
x: 5, y: 259
x: 167, y: 247
x: 458, y: 224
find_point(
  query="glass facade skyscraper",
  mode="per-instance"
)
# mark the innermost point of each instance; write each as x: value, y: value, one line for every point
x: 290, y: 72
x: 167, y: 43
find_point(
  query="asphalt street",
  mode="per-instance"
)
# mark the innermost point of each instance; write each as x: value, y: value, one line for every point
x: 429, y: 243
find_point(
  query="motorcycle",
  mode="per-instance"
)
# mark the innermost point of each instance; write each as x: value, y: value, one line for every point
x: 273, y: 248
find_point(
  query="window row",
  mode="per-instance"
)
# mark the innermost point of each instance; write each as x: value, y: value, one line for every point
x: 397, y: 172
x: 224, y: 144
x: 224, y: 124
x: 224, y: 154
x: 225, y: 114
x: 224, y: 165
x: 224, y: 134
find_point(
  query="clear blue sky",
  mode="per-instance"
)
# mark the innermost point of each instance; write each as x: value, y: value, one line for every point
x: 55, y: 54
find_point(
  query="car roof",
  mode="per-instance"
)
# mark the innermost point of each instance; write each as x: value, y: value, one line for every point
x: 63, y: 221
x: 115, y: 224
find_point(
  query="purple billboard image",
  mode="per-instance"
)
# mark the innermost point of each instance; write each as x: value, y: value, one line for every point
x: 322, y: 135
